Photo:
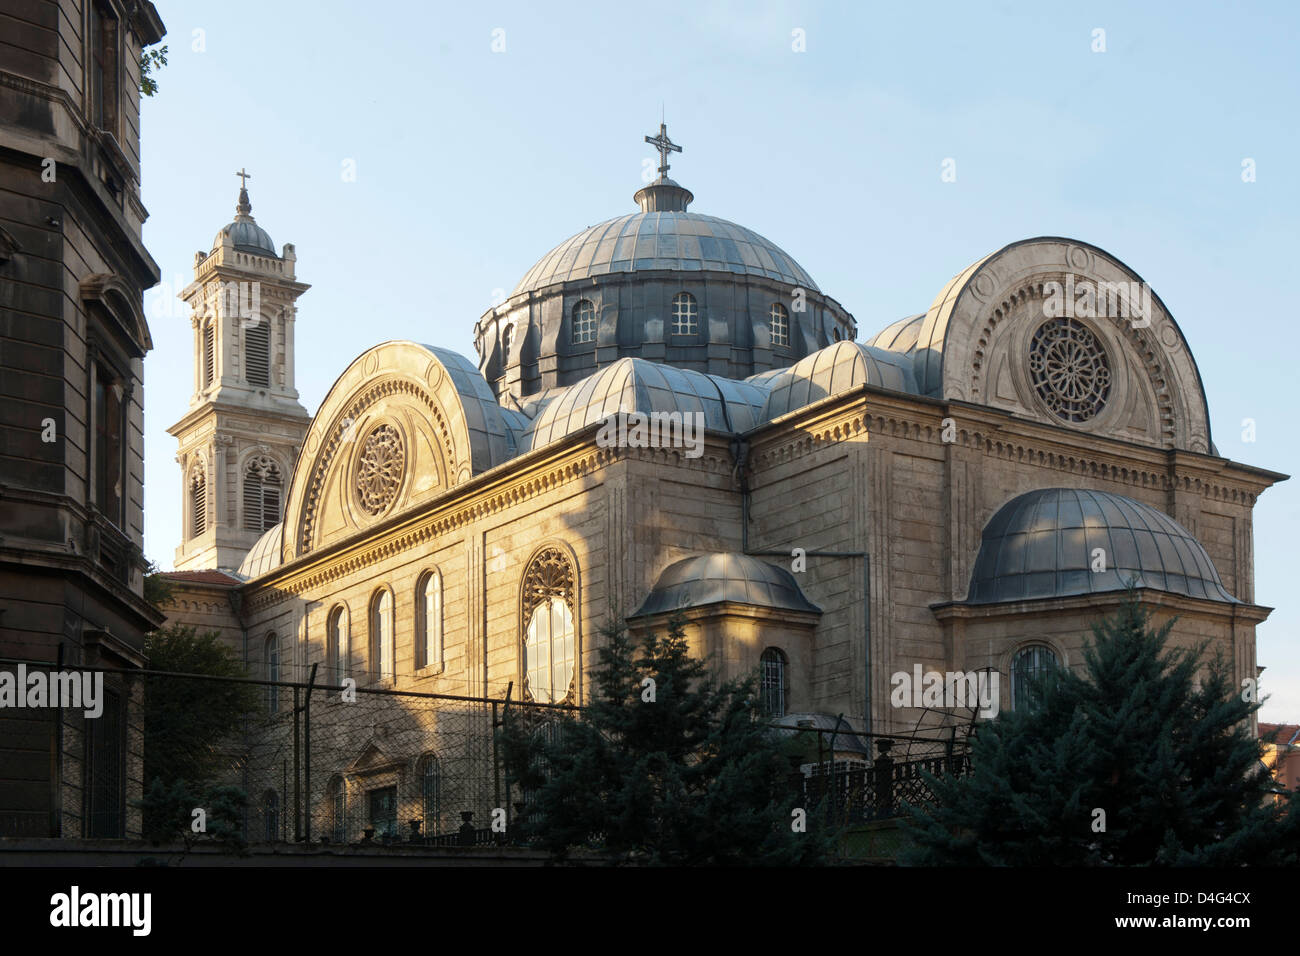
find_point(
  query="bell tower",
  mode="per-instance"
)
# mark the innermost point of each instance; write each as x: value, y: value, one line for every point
x: 245, y: 425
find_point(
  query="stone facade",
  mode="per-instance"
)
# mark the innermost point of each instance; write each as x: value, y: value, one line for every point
x: 73, y: 337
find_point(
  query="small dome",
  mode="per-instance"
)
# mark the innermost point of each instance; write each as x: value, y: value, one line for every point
x: 1041, y: 545
x: 726, y: 576
x: 832, y: 370
x: 247, y: 236
x: 676, y: 240
x: 264, y: 555
x: 638, y: 385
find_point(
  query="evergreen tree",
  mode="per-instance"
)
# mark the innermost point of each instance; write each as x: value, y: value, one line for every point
x: 1147, y: 735
x: 665, y: 766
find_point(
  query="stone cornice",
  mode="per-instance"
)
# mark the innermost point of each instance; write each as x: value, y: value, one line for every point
x: 1101, y: 604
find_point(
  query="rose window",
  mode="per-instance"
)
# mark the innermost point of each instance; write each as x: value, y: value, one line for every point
x: 1070, y: 370
x: 379, y: 469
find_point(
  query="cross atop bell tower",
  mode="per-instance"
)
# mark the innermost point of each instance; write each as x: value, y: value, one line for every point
x: 665, y: 146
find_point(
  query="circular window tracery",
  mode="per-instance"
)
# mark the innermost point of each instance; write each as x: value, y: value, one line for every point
x: 379, y: 469
x: 1070, y: 370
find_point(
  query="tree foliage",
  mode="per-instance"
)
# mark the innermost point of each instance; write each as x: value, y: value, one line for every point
x: 1154, y: 737
x: 151, y: 61
x: 676, y: 769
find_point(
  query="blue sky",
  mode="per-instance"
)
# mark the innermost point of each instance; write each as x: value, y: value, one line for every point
x: 470, y: 164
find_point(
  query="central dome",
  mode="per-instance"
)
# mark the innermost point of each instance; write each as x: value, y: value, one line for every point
x: 681, y: 241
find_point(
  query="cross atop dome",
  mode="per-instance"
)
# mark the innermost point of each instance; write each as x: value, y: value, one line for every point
x: 665, y: 146
x: 244, y: 207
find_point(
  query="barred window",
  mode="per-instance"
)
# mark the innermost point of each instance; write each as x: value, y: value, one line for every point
x: 1029, y: 665
x: 261, y: 494
x: 257, y: 353
x: 198, y: 501
x: 584, y: 322
x: 382, y: 650
x: 430, y: 795
x: 685, y: 315
x: 772, y: 682
x: 428, y: 620
x: 779, y: 320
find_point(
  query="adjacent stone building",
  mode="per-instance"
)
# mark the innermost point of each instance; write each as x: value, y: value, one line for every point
x: 966, y: 490
x: 73, y: 338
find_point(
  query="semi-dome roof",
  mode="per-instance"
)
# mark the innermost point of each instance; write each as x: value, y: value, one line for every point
x: 264, y: 555
x: 638, y: 385
x: 725, y: 576
x: 1041, y: 545
x: 676, y: 240
x: 830, y: 371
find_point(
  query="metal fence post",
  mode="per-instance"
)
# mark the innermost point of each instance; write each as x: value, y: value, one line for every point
x: 884, y: 795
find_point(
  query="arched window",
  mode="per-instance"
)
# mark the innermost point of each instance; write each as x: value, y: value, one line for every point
x: 686, y: 320
x: 257, y: 353
x: 198, y: 501
x: 779, y: 321
x: 383, y: 651
x: 209, y: 353
x: 428, y: 620
x: 272, y: 673
x: 584, y: 322
x: 430, y: 795
x: 338, y: 803
x: 550, y: 638
x: 507, y: 334
x: 271, y: 815
x: 1027, y: 667
x: 772, y: 682
x: 261, y: 494
x: 337, y: 645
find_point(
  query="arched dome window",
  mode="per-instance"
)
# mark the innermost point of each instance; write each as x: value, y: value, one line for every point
x: 584, y: 322
x: 261, y: 494
x: 1028, y: 666
x: 772, y: 682
x: 686, y: 319
x: 779, y: 323
x: 550, y: 632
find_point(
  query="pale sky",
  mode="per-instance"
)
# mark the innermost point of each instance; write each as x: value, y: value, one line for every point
x: 472, y: 163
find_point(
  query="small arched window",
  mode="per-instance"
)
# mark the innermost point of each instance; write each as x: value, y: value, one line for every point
x: 430, y: 795
x: 428, y: 620
x: 272, y: 673
x: 337, y: 644
x: 686, y: 319
x: 262, y: 484
x: 584, y: 322
x: 772, y: 682
x: 198, y: 501
x: 271, y: 815
x: 383, y: 651
x: 507, y: 337
x: 257, y: 353
x: 338, y: 803
x: 1029, y: 666
x: 779, y: 322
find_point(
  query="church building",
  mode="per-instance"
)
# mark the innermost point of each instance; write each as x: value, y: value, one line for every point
x: 669, y: 414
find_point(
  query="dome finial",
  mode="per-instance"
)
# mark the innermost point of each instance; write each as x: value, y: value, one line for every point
x: 244, y: 207
x: 665, y: 146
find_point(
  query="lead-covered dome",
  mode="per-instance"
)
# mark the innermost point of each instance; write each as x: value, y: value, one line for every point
x: 1043, y: 544
x: 244, y: 232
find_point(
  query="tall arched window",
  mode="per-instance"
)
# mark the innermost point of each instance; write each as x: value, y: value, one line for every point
x: 772, y: 682
x: 338, y: 803
x: 686, y: 320
x: 261, y: 494
x: 271, y: 815
x: 430, y: 795
x: 209, y: 353
x: 383, y: 651
x: 584, y: 322
x: 337, y: 645
x: 198, y: 500
x: 257, y: 353
x: 428, y: 620
x: 779, y: 322
x: 1027, y: 667
x: 550, y: 633
x: 272, y: 673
